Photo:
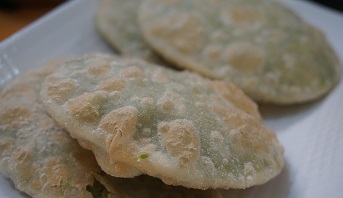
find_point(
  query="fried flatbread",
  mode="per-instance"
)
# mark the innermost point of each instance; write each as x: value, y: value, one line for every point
x: 177, y: 126
x: 44, y: 161
x: 261, y: 46
x: 116, y: 20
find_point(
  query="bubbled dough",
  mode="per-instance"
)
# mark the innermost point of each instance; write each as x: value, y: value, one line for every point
x: 177, y: 126
x: 37, y: 155
x: 261, y: 46
x: 181, y: 140
x: 43, y: 160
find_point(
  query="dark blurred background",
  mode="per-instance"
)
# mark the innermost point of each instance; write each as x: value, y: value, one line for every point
x: 334, y: 4
x: 16, y: 14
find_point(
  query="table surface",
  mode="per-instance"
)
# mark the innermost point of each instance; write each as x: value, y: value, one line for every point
x: 13, y: 17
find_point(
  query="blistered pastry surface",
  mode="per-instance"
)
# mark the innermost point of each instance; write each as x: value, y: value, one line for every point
x: 35, y: 153
x: 43, y: 160
x: 261, y: 46
x: 177, y: 126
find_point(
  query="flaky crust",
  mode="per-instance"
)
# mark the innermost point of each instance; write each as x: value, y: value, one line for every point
x: 177, y: 126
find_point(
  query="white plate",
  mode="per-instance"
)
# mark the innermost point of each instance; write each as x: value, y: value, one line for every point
x: 312, y: 133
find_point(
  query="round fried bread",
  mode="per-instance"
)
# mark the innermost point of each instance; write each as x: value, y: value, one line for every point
x: 44, y: 161
x: 261, y: 46
x: 37, y: 155
x: 177, y: 126
x: 116, y: 20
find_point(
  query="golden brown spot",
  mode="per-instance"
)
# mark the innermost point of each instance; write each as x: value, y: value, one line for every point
x: 167, y: 105
x: 112, y: 84
x: 244, y: 56
x: 15, y: 90
x: 181, y: 140
x: 231, y: 117
x: 99, y: 69
x: 170, y: 101
x: 12, y: 117
x: 213, y: 52
x: 254, y: 137
x: 87, y: 107
x: 5, y: 143
x: 55, y: 172
x: 51, y: 78
x: 36, y: 184
x: 22, y: 155
x: 237, y: 97
x: 183, y: 31
x: 120, y: 122
x: 24, y: 166
x: 132, y: 72
x: 61, y: 90
x: 250, y: 135
x: 243, y: 15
